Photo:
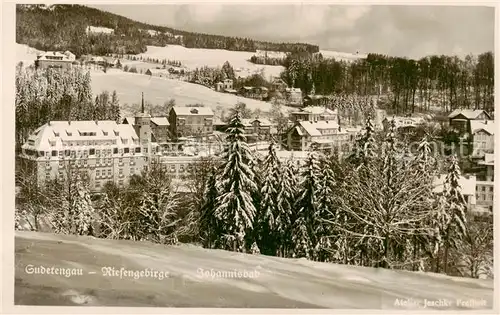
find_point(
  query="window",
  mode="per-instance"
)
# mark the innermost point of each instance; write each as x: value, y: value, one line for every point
x: 97, y: 184
x: 85, y: 162
x: 120, y: 182
x: 137, y: 150
x: 54, y: 153
x: 120, y: 171
x: 115, y: 150
x: 126, y: 150
x: 120, y: 160
x: 92, y: 151
x: 97, y: 173
x: 172, y: 169
x: 109, y: 172
x: 61, y: 153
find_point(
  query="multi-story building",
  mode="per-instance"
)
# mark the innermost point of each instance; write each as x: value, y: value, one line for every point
x: 160, y: 128
x: 483, y: 137
x: 188, y: 121
x: 314, y: 113
x: 258, y: 128
x: 326, y: 134
x: 55, y: 59
x: 103, y: 150
x: 460, y: 119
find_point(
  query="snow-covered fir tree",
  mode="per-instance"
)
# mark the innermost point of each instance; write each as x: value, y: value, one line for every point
x: 364, y: 148
x: 268, y: 211
x: 235, y: 207
x: 307, y: 207
x: 287, y: 191
x: 209, y: 225
x: 325, y: 210
x: 456, y: 229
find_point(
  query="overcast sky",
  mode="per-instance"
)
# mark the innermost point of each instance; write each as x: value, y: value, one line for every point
x: 411, y: 31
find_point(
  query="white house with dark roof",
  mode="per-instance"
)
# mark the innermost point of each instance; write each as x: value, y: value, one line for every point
x: 460, y: 119
x: 325, y: 134
x: 314, y: 113
x: 55, y: 59
x: 483, y: 137
x: 467, y: 184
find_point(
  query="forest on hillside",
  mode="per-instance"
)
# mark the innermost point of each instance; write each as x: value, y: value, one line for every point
x: 63, y: 27
x: 443, y: 82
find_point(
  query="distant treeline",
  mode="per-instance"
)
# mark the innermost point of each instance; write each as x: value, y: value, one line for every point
x: 63, y: 27
x: 447, y: 82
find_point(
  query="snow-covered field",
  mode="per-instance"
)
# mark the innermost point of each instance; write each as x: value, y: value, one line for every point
x: 342, y: 55
x: 198, y: 57
x: 195, y: 279
x: 157, y: 90
x: 26, y: 54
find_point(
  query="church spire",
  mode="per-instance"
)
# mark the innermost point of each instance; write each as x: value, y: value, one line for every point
x: 142, y: 103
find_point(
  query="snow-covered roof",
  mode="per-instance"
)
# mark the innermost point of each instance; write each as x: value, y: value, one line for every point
x: 160, y: 121
x: 55, y: 132
x: 192, y: 111
x: 402, y: 121
x: 161, y: 71
x: 315, y: 110
x: 489, y: 159
x: 50, y: 55
x: 250, y: 121
x: 468, y: 113
x: 294, y: 90
x: 468, y: 185
x: 486, y: 125
x: 313, y: 128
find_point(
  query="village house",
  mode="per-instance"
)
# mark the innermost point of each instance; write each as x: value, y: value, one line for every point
x: 55, y: 59
x: 488, y: 164
x: 227, y: 84
x: 161, y: 73
x: 403, y: 123
x: 483, y: 137
x: 325, y: 134
x: 219, y: 86
x: 278, y: 85
x: 258, y: 129
x: 460, y: 119
x: 314, y: 113
x: 187, y: 121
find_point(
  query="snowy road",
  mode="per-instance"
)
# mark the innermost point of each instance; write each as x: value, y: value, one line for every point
x: 188, y: 276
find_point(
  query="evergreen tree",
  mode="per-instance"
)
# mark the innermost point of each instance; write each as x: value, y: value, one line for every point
x: 268, y: 208
x: 114, y: 108
x: 284, y: 205
x: 209, y: 225
x: 235, y: 208
x: 456, y: 228
x: 307, y: 206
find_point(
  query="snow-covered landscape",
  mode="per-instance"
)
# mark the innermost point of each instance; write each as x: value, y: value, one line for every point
x: 198, y: 57
x: 129, y: 87
x: 276, y: 282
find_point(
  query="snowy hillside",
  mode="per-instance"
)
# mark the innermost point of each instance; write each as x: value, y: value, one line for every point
x: 26, y: 54
x: 159, y: 90
x: 196, y: 58
x: 342, y: 55
x: 192, y: 278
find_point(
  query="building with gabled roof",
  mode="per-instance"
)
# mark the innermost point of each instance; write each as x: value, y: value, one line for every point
x: 326, y: 134
x: 186, y: 121
x: 103, y: 150
x: 55, y: 59
x: 460, y: 119
x: 483, y: 137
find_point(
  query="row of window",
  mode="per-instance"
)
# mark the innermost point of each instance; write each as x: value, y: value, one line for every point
x: 483, y: 188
